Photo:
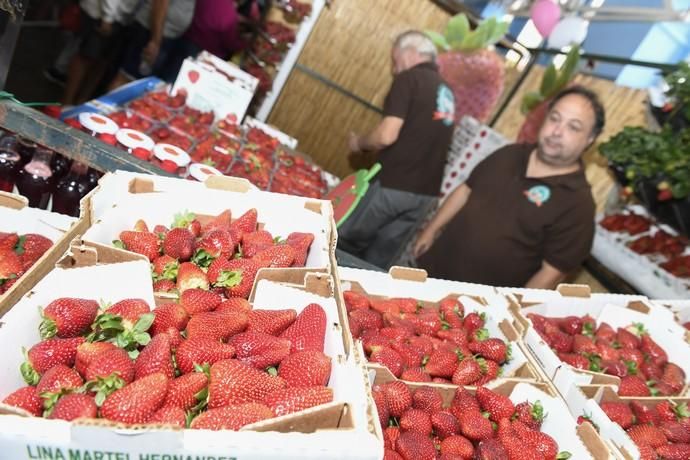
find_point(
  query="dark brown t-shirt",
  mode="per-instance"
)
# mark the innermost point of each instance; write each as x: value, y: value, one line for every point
x: 414, y: 163
x: 511, y: 223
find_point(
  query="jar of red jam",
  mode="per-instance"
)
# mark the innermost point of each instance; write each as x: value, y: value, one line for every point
x: 200, y: 172
x: 130, y: 139
x: 96, y: 124
x: 172, y: 159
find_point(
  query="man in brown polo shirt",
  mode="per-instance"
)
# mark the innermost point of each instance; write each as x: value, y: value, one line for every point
x: 412, y: 140
x: 525, y: 216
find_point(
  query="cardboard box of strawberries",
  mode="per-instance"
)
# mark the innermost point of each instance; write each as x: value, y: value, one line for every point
x: 108, y: 370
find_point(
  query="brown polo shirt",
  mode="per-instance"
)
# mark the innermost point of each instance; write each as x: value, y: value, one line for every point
x: 511, y: 223
x: 415, y: 162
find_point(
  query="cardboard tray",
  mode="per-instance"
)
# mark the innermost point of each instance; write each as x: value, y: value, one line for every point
x: 343, y: 428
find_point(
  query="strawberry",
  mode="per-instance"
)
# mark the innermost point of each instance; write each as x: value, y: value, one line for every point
x: 395, y: 334
x: 278, y: 256
x: 233, y: 382
x: 386, y: 306
x: 474, y: 426
x: 675, y: 432
x: 674, y: 452
x: 8, y: 241
x: 56, y: 381
x: 164, y: 286
x: 473, y: 321
x: 452, y: 311
x: 661, y: 389
x: 627, y: 339
x: 219, y: 222
x: 412, y: 357
x: 200, y: 351
x: 169, y: 415
x: 144, y: 243
x: 559, y: 340
x: 656, y: 353
x: 538, y: 321
x: 124, y: 323
x: 355, y: 301
x: 381, y: 404
x: 164, y: 268
x: 398, y: 397
x: 67, y: 317
x: 161, y: 230
x: 26, y: 398
x: 10, y: 267
x: 306, y: 368
x: 241, y: 280
x: 493, y: 349
x: 490, y: 449
x: 199, y: 300
x: 647, y: 434
x: 246, y: 223
x: 619, y: 413
x: 140, y: 226
x: 632, y: 385
x: 497, y: 405
x: 647, y: 452
x: 179, y: 244
x: 365, y: 320
x: 239, y: 305
x: 415, y: 374
x: 456, y: 336
x: 308, y: 331
x: 87, y: 351
x: 389, y: 454
x: 670, y: 413
x: 220, y: 273
x: 129, y: 311
x: 190, y: 276
x: 577, y: 361
x: 651, y: 370
x: 541, y: 442
x: 214, y: 244
x: 441, y: 363
x: 426, y: 323
x: 583, y: 344
x: 631, y: 356
x: 673, y: 376
x: 156, y: 357
x: 427, y: 399
x: 391, y: 434
x: 136, y: 402
x: 216, y: 325
x: 73, y: 406
x: 412, y: 445
x: 232, y: 417
x: 300, y: 242
x: 617, y: 368
x: 605, y: 332
x: 589, y: 326
x: 187, y: 391
x: 47, y: 354
x: 260, y: 350
x: 416, y: 420
x: 388, y: 357
x: 31, y: 247
x: 644, y: 415
x: 571, y: 325
x: 168, y: 315
x: 289, y: 400
x: 531, y: 415
x: 255, y: 242
x: 463, y: 401
x: 467, y: 372
x: 492, y: 371
x: 108, y: 371
x: 457, y: 445
x: 445, y: 424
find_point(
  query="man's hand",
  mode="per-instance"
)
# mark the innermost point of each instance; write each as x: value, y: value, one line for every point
x: 105, y: 28
x: 424, y: 241
x: 150, y: 52
x: 353, y: 143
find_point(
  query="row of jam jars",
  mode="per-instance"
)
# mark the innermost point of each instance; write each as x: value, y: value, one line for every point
x: 200, y: 172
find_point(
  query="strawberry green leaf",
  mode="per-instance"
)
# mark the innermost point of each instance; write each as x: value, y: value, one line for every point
x: 548, y: 81
x: 457, y: 29
x: 183, y: 219
x: 563, y: 455
x: 588, y: 329
x: 530, y: 101
x: 50, y: 398
x: 229, y: 278
x: 481, y: 334
x: 568, y: 68
x: 119, y: 244
x: 19, y: 247
x: 272, y: 371
x: 438, y: 40
x: 29, y: 374
x: 681, y: 410
x: 144, y: 323
x: 203, y: 258
x: 538, y: 411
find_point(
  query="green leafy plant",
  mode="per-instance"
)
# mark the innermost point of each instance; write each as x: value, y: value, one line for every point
x: 679, y: 90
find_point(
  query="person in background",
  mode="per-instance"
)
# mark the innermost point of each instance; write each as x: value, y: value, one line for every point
x: 151, y: 39
x: 412, y: 142
x: 525, y: 216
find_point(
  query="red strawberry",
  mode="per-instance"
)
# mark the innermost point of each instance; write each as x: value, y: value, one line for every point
x: 473, y: 321
x: 415, y: 374
x: 651, y: 370
x: 260, y: 350
x: 445, y: 424
x: 278, y: 256
x: 492, y: 370
x: 647, y: 434
x: 412, y: 445
x: 246, y: 223
x: 441, y: 363
x: 306, y: 368
x: 156, y: 357
x: 186, y: 391
x: 531, y: 415
x: 541, y: 442
x: 179, y: 244
x: 647, y: 452
x: 395, y: 334
x: 126, y: 323
x: 164, y: 286
x: 673, y: 376
x: 426, y: 323
x: 232, y: 417
x: 619, y: 413
x: 190, y: 276
x: 497, y: 405
x: 73, y: 406
x: 398, y: 397
x: 493, y: 349
x: 217, y: 325
x: 57, y: 380
x: 161, y: 230
x: 427, y: 399
x: 474, y: 426
x: 490, y: 449
x: 457, y: 445
x: 463, y: 401
x: 10, y: 267
x: 87, y: 351
x: 627, y: 339
x: 388, y: 357
x: 571, y: 325
x: 169, y: 315
x: 300, y: 242
x: 68, y: 317
x: 199, y: 300
x: 164, y: 268
x: 656, y: 353
x: 31, y: 247
x: 617, y: 368
x: 381, y: 405
x: 674, y: 452
x: 108, y: 371
x: 670, y: 413
x: 308, y: 331
x: 140, y: 226
x: 236, y: 305
x: 391, y: 434
x: 47, y: 354
x: 643, y: 414
x: 26, y: 398
x: 389, y: 454
x: 416, y: 420
x: 456, y: 336
x: 452, y: 311
x: 255, y: 242
x: 200, y: 351
x: 632, y: 385
x: 386, y: 306
x: 559, y: 340
x: 169, y: 415
x: 288, y: 400
x: 605, y: 332
x: 577, y: 361
x: 538, y: 321
x: 355, y: 301
x: 129, y: 311
x: 583, y: 344
x: 233, y: 382
x: 240, y: 283
x: 365, y: 320
x: 144, y: 243
x: 8, y: 241
x: 467, y: 372
x: 631, y: 356
x: 220, y: 222
x: 214, y: 244
x: 220, y: 273
x: 136, y: 402
x: 411, y: 356
x: 675, y: 432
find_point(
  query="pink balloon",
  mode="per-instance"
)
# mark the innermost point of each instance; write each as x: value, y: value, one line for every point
x: 545, y: 14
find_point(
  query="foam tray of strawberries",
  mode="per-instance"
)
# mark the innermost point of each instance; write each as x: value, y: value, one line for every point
x: 512, y: 422
x: 455, y: 342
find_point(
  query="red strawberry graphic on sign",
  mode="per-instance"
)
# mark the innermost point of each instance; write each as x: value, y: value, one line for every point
x: 193, y: 76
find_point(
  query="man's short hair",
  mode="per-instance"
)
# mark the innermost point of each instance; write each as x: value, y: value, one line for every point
x: 597, y: 107
x: 418, y: 41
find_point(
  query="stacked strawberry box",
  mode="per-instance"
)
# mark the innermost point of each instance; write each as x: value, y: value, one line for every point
x: 434, y: 331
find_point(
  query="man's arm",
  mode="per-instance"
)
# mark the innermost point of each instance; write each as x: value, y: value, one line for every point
x: 385, y: 134
x: 453, y: 204
x: 547, y: 277
x: 159, y: 10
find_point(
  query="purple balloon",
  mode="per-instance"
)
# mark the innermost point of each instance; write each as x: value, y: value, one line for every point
x: 545, y: 14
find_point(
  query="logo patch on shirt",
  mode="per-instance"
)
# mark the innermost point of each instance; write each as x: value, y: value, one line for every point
x: 445, y: 105
x: 539, y: 194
